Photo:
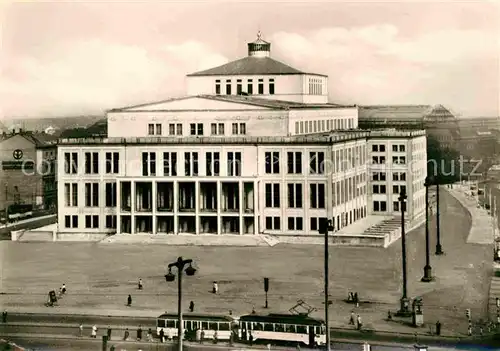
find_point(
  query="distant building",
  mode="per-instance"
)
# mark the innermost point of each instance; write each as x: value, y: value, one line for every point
x: 255, y: 148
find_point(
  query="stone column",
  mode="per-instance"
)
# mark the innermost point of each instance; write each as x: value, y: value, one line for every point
x: 176, y: 207
x: 132, y: 207
x: 219, y: 218
x: 196, y: 197
x: 153, y: 204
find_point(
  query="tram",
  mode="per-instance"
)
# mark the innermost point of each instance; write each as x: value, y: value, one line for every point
x: 19, y: 212
x: 192, y: 322
x: 282, y: 327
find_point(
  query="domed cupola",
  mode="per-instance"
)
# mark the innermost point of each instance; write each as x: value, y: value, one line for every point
x: 259, y: 48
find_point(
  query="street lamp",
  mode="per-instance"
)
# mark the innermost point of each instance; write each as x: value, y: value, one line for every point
x: 170, y: 277
x: 427, y: 269
x: 439, y: 249
x: 404, y: 310
x: 326, y: 226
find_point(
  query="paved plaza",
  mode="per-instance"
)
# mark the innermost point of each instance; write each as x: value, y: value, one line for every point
x: 100, y: 276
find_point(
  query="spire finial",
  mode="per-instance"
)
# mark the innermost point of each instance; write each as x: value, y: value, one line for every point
x: 259, y: 35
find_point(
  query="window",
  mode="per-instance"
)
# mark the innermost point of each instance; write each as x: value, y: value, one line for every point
x: 317, y: 195
x: 379, y: 206
x: 71, y: 194
x: 171, y: 129
x: 398, y: 148
x: 399, y: 176
x: 379, y: 189
x: 378, y: 160
x: 110, y: 194
x: 175, y: 129
x: 378, y: 176
x: 271, y: 86
x: 196, y: 128
x: 217, y: 86
x: 397, y: 189
x: 112, y: 162
x: 158, y: 128
x: 170, y: 163
x: 239, y: 128
x: 91, y: 163
x: 234, y: 164
x: 273, y: 223
x: 294, y: 162
x: 272, y: 195
x: 71, y: 221
x: 238, y: 87
x: 261, y: 86
x: 148, y: 163
x: 151, y: 129
x: 249, y: 87
x: 110, y: 222
x: 70, y: 162
x: 295, y: 195
x: 179, y: 129
x: 397, y: 208
x: 316, y: 162
x: 217, y: 129
x: 399, y: 160
x: 313, y: 224
x: 213, y: 163
x: 295, y: 223
x: 191, y: 163
x: 200, y: 128
x: 92, y: 194
x: 92, y: 221
x: 272, y: 160
x: 228, y: 87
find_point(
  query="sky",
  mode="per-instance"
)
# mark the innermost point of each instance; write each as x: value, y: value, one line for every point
x: 76, y: 58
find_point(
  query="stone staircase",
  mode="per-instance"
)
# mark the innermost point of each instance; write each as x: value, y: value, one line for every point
x: 385, y: 227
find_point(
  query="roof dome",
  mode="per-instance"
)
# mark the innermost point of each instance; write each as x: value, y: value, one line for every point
x: 259, y: 47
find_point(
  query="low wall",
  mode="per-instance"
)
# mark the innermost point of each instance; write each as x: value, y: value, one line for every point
x: 339, y: 240
x: 15, y: 235
x: 93, y: 237
x: 27, y: 225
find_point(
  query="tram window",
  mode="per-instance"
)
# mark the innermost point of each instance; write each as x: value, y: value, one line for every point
x: 301, y: 329
x: 268, y: 327
x: 161, y: 323
x: 224, y: 326
x: 279, y: 328
x: 290, y: 328
x: 170, y: 323
x: 258, y: 326
x: 212, y: 326
x: 204, y: 325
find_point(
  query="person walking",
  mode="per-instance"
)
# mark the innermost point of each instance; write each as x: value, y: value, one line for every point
x: 63, y: 289
x: 198, y: 335
x: 81, y: 329
x: 139, y: 333
x: 112, y: 348
x: 162, y: 336
x: 139, y: 284
x: 215, y: 287
x: 94, y: 331
x: 202, y: 336
x: 4, y: 316
x: 360, y: 324
x: 351, y: 320
x: 356, y: 300
x: 150, y: 335
x: 109, y: 332
x: 126, y: 335
x: 191, y: 306
x: 129, y: 300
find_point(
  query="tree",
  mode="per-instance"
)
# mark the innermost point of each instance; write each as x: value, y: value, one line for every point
x: 75, y: 133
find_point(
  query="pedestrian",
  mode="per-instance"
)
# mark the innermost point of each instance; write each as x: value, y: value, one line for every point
x: 351, y: 320
x: 63, y: 289
x: 438, y: 328
x: 139, y: 284
x: 215, y: 287
x: 112, y: 348
x: 469, y: 330
x: 356, y: 301
x: 269, y: 346
x: 359, y: 322
x: 162, y: 336
x: 139, y: 333
x: 250, y: 339
x: 498, y: 320
x: 202, y: 336
x: 349, y: 297
x: 109, y: 332
x: 129, y: 300
x: 169, y: 335
x: 191, y: 306
x: 150, y: 335
x: 4, y: 316
x: 216, y: 337
x: 389, y: 316
x: 94, y: 331
x: 126, y: 335
x: 497, y: 302
x: 81, y: 329
x: 198, y: 335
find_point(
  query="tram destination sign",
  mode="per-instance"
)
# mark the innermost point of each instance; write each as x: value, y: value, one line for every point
x: 13, y: 165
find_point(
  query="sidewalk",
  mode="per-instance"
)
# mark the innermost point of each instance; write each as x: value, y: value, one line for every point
x: 481, y: 231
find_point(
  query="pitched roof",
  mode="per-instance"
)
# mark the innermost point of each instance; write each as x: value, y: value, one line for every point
x: 251, y: 66
x: 394, y: 112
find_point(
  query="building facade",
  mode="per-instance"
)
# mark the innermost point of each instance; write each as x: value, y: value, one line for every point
x: 235, y: 159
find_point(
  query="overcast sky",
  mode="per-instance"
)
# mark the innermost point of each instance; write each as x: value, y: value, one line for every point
x: 78, y: 58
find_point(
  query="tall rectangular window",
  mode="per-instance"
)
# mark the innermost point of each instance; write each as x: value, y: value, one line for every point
x: 221, y: 129
x: 295, y: 223
x: 316, y: 162
x: 112, y: 162
x: 193, y: 128
x: 272, y: 160
x: 238, y: 87
x: 273, y: 223
x: 295, y: 195
x: 71, y: 221
x: 170, y: 163
x: 271, y: 86
x: 110, y: 222
x: 91, y: 221
x: 272, y: 195
x: 148, y: 163
x: 179, y: 128
x: 228, y: 87
x: 234, y: 164
x: 217, y: 86
x: 200, y: 128
x: 191, y: 163
x: 171, y: 129
x: 71, y: 194
x: 151, y: 129
x: 92, y: 194
x: 317, y: 195
x: 294, y: 162
x: 261, y: 86
x: 91, y: 163
x: 212, y: 163
x: 111, y: 194
x: 158, y: 129
x: 250, y: 87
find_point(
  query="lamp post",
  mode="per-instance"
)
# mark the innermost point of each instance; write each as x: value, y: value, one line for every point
x: 427, y: 269
x: 439, y: 249
x: 404, y: 310
x: 326, y: 226
x: 170, y: 277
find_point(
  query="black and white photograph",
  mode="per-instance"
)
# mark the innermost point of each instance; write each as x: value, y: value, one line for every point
x: 250, y: 175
